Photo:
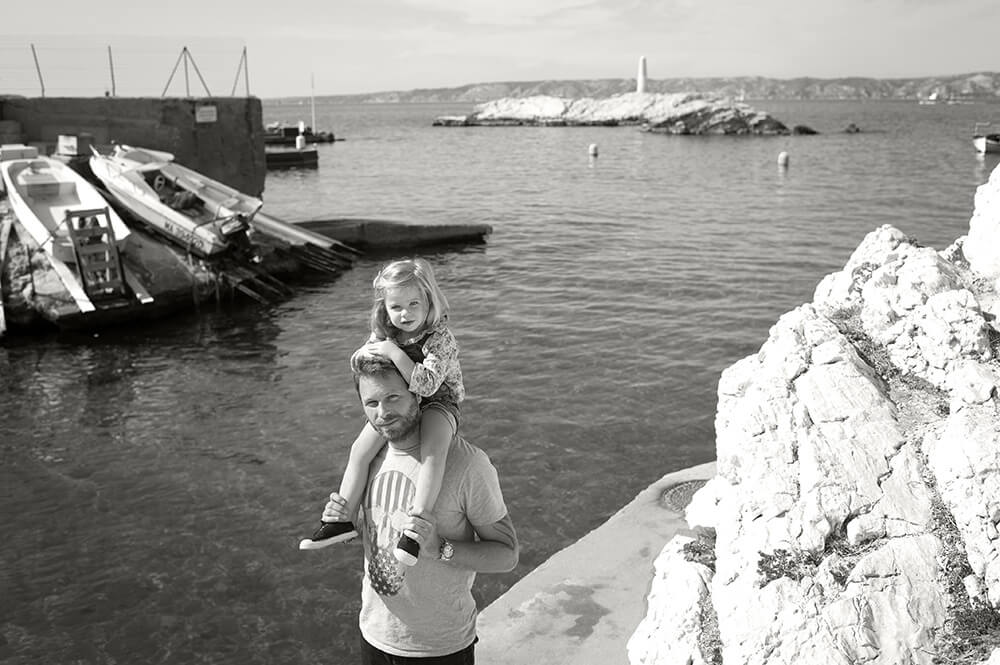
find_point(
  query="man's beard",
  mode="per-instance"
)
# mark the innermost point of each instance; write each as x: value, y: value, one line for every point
x: 403, y: 426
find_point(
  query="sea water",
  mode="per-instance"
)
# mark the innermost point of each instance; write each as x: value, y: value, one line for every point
x: 155, y: 480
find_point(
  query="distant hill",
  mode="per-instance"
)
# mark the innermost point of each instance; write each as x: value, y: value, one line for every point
x: 980, y: 86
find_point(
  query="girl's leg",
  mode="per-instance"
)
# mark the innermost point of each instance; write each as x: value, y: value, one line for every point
x: 437, y: 428
x: 363, y: 451
x: 352, y: 487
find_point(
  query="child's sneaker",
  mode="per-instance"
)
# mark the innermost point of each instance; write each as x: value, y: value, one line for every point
x: 329, y: 533
x: 407, y: 550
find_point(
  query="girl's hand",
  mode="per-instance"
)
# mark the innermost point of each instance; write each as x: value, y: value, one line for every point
x: 385, y: 348
x: 423, y: 529
x: 336, y: 509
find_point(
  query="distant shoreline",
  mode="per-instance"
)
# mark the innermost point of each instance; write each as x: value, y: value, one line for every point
x: 977, y: 86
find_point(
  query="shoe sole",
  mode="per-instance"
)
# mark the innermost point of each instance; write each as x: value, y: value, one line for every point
x: 405, y: 557
x: 310, y: 544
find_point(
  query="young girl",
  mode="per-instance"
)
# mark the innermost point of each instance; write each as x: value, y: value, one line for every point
x: 409, y: 324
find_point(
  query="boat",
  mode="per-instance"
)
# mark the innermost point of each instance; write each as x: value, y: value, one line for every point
x: 287, y: 158
x: 80, y: 234
x: 202, y: 215
x: 281, y: 134
x: 931, y: 98
x: 985, y: 143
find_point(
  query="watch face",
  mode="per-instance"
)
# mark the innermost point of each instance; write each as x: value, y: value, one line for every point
x: 447, y: 551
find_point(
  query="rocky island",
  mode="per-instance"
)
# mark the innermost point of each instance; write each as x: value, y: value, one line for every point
x: 669, y: 113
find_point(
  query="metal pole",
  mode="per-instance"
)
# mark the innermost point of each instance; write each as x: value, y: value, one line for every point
x: 172, y: 72
x: 246, y: 71
x: 312, y: 100
x: 38, y: 69
x: 187, y: 87
x: 111, y: 66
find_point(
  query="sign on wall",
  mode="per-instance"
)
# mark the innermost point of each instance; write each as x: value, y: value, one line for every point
x: 206, y: 113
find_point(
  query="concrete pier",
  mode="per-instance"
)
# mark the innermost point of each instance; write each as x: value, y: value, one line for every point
x: 220, y: 137
x: 581, y: 606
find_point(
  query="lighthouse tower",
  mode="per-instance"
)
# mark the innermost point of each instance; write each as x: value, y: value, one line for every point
x: 640, y: 79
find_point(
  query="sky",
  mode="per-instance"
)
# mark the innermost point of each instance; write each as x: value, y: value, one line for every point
x: 341, y: 47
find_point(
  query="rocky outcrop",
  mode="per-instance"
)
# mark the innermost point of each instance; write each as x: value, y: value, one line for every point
x: 854, y: 515
x: 684, y: 113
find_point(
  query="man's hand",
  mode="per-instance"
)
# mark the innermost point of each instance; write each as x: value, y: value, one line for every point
x: 336, y: 509
x: 423, y: 529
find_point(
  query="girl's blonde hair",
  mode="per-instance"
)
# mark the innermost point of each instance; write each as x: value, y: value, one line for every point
x: 406, y: 272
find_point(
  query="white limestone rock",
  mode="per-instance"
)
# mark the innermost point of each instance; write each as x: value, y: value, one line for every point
x: 982, y: 245
x: 669, y: 633
x: 902, y: 284
x: 965, y: 459
x: 677, y: 113
x: 842, y: 289
x: 827, y: 547
x: 939, y: 336
x: 809, y: 447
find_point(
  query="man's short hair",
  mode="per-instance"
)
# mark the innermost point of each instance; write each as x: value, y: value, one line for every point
x: 365, y: 365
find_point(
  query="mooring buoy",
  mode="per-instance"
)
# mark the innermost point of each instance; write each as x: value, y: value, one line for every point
x: 782, y: 158
x: 592, y: 150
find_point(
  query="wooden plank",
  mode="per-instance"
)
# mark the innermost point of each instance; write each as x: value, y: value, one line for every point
x: 5, y: 224
x: 133, y: 282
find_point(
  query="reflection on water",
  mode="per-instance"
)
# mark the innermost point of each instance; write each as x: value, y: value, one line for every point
x: 155, y: 481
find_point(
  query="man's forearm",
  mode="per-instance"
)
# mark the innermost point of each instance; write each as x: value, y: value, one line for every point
x: 496, y: 551
x: 484, y: 556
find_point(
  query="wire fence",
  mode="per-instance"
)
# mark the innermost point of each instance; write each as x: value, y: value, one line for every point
x: 61, y: 68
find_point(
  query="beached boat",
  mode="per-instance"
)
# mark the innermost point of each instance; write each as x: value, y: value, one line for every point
x: 194, y: 211
x: 985, y: 142
x: 72, y: 223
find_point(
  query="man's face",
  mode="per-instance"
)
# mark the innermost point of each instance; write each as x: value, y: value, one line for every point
x: 390, y: 407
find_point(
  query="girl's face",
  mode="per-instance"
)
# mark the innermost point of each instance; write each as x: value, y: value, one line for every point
x: 406, y: 307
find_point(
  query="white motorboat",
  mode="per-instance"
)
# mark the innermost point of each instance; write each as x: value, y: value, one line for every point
x: 69, y: 219
x: 985, y: 142
x: 194, y: 211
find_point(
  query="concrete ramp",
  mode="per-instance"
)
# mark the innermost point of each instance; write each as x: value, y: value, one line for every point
x: 582, y: 605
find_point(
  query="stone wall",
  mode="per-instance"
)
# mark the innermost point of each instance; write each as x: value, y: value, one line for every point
x: 220, y: 137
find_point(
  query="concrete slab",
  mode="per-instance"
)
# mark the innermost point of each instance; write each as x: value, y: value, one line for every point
x: 375, y: 234
x: 582, y: 605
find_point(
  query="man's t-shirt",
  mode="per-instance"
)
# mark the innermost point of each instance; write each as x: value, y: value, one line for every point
x: 428, y: 609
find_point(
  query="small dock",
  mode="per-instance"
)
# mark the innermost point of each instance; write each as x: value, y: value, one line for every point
x: 374, y: 235
x: 176, y: 281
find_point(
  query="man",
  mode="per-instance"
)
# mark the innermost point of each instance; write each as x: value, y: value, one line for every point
x: 427, y: 611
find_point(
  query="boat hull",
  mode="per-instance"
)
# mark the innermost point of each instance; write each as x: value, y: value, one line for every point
x: 42, y: 192
x: 307, y: 158
x: 192, y: 210
x: 987, y: 143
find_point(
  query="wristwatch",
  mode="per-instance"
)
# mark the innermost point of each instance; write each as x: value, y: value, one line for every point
x: 446, y: 551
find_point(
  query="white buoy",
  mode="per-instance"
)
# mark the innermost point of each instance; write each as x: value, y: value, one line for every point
x: 592, y: 150
x: 782, y: 158
x: 300, y: 142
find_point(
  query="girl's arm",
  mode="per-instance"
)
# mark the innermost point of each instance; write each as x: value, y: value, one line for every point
x: 440, y: 360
